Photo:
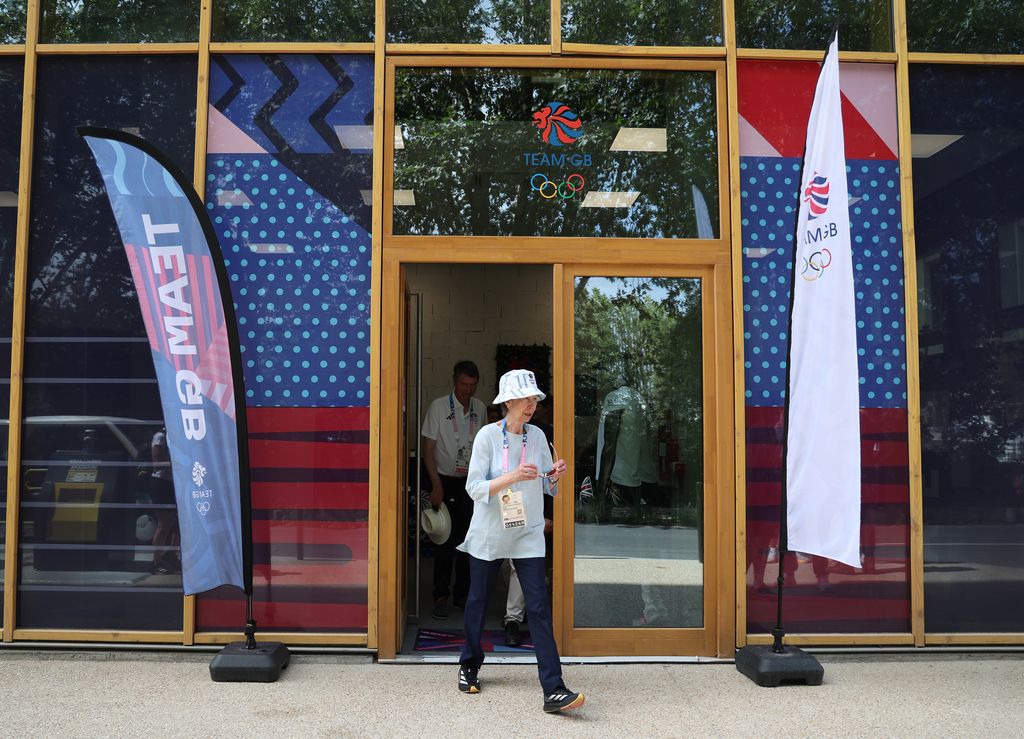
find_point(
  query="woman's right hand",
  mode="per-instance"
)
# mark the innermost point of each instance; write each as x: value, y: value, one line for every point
x: 525, y: 472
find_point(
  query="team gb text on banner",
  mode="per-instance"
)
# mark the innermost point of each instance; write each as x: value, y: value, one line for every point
x: 179, y: 282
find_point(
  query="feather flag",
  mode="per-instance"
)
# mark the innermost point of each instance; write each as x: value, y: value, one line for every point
x: 823, y: 483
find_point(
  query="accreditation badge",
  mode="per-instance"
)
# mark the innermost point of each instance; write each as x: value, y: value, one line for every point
x: 513, y: 512
x: 462, y: 461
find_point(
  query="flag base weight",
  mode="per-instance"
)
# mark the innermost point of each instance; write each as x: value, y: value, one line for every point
x: 769, y: 668
x: 249, y: 661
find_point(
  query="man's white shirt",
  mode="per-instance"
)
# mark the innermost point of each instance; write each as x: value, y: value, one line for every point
x: 452, y: 427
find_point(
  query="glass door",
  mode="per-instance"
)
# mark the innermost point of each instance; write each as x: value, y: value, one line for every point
x: 640, y: 567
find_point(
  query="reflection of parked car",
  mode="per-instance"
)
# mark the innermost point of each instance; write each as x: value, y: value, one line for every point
x: 82, y: 492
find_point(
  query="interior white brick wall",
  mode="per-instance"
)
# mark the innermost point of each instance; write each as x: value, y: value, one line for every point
x: 468, y: 310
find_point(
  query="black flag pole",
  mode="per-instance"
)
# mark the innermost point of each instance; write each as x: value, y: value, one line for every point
x: 772, y: 666
x: 248, y: 661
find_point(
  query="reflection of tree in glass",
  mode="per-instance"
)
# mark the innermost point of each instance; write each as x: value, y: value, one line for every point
x: 12, y: 21
x: 632, y: 23
x: 978, y: 26
x: 466, y: 133
x: 645, y: 333
x: 808, y: 24
x: 339, y: 21
x: 79, y: 280
x: 469, y: 22
x: 75, y: 21
x: 977, y: 375
x: 964, y: 197
x: 11, y: 73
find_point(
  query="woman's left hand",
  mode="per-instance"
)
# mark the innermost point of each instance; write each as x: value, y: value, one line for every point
x: 557, y: 471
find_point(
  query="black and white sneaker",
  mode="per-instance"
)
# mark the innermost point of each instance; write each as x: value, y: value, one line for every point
x: 468, y: 680
x: 563, y: 699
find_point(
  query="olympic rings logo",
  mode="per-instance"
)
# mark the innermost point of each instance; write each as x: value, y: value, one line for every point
x: 566, y: 190
x: 816, y: 264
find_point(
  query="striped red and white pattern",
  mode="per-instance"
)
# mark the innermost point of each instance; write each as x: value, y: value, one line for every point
x: 874, y: 599
x: 310, y: 495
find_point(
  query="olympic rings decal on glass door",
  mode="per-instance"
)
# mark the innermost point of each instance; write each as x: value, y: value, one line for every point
x: 566, y: 190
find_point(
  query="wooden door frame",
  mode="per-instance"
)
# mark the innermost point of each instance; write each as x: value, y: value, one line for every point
x: 717, y: 636
x: 623, y: 253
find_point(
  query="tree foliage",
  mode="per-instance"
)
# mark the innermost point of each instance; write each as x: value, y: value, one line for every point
x: 118, y: 21
x: 466, y: 132
x: 12, y: 21
x: 284, y: 20
x: 976, y: 26
x: 864, y: 25
x: 469, y: 22
x: 645, y: 333
x: 967, y: 201
x: 643, y: 22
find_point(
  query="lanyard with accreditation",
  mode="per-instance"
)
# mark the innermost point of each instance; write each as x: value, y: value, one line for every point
x: 464, y: 445
x: 513, y: 512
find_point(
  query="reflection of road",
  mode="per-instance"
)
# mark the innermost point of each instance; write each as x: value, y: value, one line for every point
x: 649, y: 542
x: 635, y: 576
x: 974, y: 578
x: 993, y: 546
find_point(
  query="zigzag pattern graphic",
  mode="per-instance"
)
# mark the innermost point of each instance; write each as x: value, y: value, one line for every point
x: 288, y: 85
x: 318, y: 120
x: 291, y: 104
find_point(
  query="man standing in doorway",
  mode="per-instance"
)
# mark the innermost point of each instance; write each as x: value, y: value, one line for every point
x: 448, y: 430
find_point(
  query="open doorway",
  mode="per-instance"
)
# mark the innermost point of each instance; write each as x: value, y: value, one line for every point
x: 499, y: 317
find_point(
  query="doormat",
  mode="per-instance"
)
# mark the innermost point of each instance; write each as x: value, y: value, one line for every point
x: 452, y: 640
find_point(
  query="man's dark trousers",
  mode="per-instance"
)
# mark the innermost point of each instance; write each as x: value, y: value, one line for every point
x: 460, y: 508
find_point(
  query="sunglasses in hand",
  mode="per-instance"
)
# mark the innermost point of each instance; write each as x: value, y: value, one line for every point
x: 551, y: 473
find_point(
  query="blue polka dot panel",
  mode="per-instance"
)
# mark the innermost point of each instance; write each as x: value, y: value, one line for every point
x: 289, y: 167
x: 769, y: 210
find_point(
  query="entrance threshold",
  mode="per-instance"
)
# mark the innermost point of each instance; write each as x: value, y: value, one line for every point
x: 526, y: 659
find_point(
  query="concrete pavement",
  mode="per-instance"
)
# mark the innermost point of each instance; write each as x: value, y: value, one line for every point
x: 93, y: 694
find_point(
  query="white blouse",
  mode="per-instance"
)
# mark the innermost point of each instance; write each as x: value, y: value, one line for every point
x: 487, y: 538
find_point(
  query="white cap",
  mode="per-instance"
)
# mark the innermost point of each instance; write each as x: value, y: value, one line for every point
x: 517, y: 384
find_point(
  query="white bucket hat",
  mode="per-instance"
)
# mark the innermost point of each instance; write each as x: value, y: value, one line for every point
x: 436, y: 524
x: 517, y: 384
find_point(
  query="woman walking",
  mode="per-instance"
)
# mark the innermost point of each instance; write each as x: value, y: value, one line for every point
x: 510, y: 471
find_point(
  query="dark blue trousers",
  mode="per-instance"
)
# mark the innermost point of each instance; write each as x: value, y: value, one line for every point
x: 482, y: 576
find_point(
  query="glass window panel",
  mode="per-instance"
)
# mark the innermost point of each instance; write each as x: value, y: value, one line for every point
x: 469, y: 22
x: 98, y: 528
x: 12, y: 21
x: 631, y: 23
x: 11, y: 71
x: 542, y: 152
x: 976, y: 27
x: 969, y: 215
x: 822, y: 596
x: 339, y: 21
x: 865, y: 25
x: 639, y: 430
x: 288, y: 193
x: 118, y: 21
